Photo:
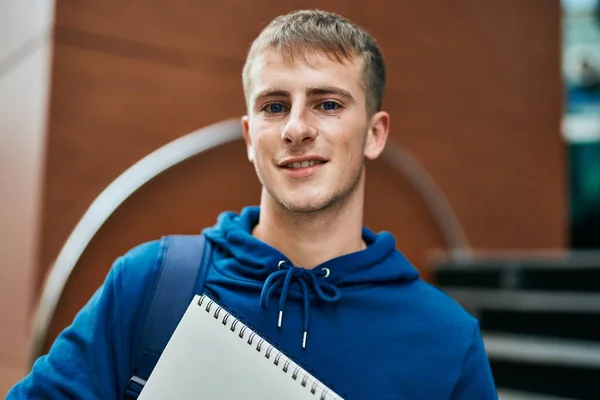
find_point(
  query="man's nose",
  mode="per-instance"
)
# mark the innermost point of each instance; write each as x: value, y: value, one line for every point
x: 298, y: 129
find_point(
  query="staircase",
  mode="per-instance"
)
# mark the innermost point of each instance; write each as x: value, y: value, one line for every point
x: 539, y: 316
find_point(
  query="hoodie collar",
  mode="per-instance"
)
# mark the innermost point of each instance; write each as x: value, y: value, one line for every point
x: 379, y: 262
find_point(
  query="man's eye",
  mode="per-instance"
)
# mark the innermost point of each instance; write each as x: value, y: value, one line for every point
x: 275, y: 108
x: 329, y: 105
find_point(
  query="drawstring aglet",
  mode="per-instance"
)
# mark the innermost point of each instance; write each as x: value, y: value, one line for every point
x: 280, y: 319
x: 304, y: 339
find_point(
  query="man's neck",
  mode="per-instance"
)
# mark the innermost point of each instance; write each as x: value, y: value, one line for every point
x: 309, y: 240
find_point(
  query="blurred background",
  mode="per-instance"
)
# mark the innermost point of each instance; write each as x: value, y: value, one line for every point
x: 119, y: 124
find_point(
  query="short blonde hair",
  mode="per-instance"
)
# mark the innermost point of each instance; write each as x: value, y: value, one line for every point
x: 308, y: 32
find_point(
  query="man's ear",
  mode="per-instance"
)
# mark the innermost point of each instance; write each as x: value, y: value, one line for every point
x: 246, y: 129
x: 377, y: 135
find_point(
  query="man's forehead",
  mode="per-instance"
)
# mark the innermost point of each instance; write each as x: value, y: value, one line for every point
x: 271, y: 69
x: 305, y: 59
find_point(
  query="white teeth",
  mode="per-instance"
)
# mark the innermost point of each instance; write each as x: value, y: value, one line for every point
x: 303, y: 164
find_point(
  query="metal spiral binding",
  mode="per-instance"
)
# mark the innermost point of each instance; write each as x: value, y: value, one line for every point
x: 216, y: 312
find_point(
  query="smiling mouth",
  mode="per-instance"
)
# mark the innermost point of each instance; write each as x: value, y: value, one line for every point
x: 303, y: 164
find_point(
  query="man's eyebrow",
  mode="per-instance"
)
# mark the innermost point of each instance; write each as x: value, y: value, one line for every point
x: 328, y: 90
x: 271, y: 92
x: 311, y: 91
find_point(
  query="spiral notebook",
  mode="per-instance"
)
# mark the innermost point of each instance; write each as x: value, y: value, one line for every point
x: 213, y: 355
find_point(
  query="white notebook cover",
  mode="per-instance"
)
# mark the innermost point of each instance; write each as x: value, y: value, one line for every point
x: 207, y: 359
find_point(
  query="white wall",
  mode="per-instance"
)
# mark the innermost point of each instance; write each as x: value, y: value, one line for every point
x: 25, y: 51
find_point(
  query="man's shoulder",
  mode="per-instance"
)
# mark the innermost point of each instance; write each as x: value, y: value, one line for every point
x: 144, y: 255
x: 137, y: 267
x: 441, y: 309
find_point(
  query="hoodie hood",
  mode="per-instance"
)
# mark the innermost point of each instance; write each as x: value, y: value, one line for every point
x: 239, y: 256
x: 255, y: 260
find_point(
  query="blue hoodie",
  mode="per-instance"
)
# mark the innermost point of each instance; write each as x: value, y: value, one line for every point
x: 364, y: 323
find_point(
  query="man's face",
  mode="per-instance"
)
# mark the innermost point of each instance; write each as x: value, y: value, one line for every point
x: 306, y: 129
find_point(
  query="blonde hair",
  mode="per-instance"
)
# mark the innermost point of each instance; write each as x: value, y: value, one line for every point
x: 309, y: 32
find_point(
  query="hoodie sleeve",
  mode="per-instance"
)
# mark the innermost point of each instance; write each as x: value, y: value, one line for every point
x: 476, y: 380
x: 90, y: 359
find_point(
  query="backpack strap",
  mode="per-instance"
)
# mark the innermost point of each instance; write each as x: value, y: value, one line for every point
x: 184, y: 266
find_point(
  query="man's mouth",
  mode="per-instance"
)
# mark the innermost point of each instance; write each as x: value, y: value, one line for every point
x: 302, y: 164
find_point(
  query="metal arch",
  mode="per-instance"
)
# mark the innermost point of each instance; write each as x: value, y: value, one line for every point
x: 107, y: 202
x: 437, y: 203
x: 175, y: 153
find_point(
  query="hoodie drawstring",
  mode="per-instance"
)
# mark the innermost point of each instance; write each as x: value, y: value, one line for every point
x: 305, y: 278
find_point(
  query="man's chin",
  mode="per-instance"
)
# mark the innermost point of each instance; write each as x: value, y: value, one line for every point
x: 306, y: 206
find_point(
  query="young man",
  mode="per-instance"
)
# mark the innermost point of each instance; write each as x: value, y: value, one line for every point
x: 351, y: 308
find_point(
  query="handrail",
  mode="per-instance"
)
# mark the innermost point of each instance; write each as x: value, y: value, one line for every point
x: 174, y: 153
